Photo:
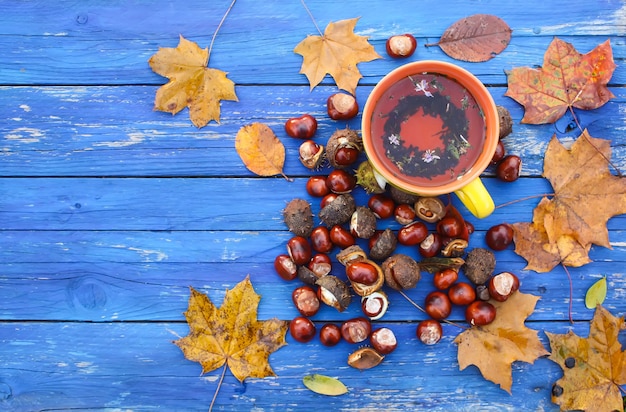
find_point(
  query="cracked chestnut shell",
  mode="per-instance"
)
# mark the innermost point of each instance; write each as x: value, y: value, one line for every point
x: 333, y: 292
x: 384, y: 245
x: 365, y: 358
x: 363, y: 223
x: 339, y: 211
x: 342, y: 139
x: 401, y: 272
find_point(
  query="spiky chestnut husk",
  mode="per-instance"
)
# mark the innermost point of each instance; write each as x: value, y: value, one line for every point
x: 366, y: 178
x: 479, y: 265
x: 505, y: 121
x: 384, y: 246
x: 401, y: 197
x: 298, y: 217
x: 342, y: 138
x: 401, y: 272
x: 339, y: 211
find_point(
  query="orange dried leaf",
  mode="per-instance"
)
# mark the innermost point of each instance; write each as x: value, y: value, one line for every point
x: 594, y: 368
x: 231, y: 334
x: 191, y: 84
x: 494, y: 347
x: 586, y: 196
x: 260, y: 150
x: 337, y: 53
x: 476, y: 38
x: 566, y: 79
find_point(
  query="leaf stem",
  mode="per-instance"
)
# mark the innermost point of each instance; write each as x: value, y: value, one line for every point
x: 524, y: 198
x: 312, y: 18
x: 412, y: 302
x: 219, y: 26
x: 219, y: 384
x: 571, y: 293
x: 571, y: 109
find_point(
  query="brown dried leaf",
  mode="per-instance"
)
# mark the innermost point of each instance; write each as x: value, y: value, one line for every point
x: 260, y: 150
x: 476, y: 38
x: 337, y: 53
x: 566, y: 79
x: 586, y: 196
x: 494, y: 347
x: 594, y: 368
x: 191, y: 84
x: 231, y: 334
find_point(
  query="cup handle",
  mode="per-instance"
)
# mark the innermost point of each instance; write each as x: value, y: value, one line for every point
x: 476, y: 198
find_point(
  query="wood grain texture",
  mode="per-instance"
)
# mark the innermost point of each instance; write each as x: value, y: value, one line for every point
x: 110, y: 211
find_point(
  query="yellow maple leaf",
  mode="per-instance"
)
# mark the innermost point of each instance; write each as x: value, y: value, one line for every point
x: 231, y: 334
x: 586, y: 196
x: 494, y: 347
x: 594, y: 368
x: 192, y: 84
x: 337, y: 53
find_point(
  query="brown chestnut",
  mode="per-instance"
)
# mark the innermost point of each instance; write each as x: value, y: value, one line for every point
x: 502, y: 285
x: 330, y: 334
x: 356, y: 330
x: 401, y: 45
x: 437, y: 305
x: 430, y: 246
x: 341, y: 106
x: 303, y: 127
x: 429, y: 331
x: 302, y: 329
x: 480, y: 313
x: 299, y: 249
x: 383, y: 340
x: 306, y: 301
x: 462, y: 293
x: 509, y: 168
x: 412, y: 234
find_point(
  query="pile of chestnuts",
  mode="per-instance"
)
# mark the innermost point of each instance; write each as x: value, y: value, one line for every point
x: 367, y: 253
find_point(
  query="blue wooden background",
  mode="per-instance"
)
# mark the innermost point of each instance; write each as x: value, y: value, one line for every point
x: 109, y: 211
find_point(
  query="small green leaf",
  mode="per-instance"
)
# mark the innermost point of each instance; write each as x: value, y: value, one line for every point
x: 596, y: 294
x: 324, y: 385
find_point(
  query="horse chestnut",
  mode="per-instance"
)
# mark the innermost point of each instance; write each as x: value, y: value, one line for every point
x: 302, y: 329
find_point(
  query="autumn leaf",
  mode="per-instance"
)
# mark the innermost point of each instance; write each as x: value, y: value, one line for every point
x: 191, y: 83
x: 260, y: 150
x: 593, y: 367
x: 476, y: 38
x: 586, y: 196
x: 494, y: 347
x: 231, y: 334
x: 566, y: 79
x: 337, y: 53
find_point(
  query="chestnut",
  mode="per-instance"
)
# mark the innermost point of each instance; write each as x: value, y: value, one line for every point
x: 356, y: 330
x: 320, y: 239
x: 412, y: 234
x: 480, y: 313
x: 437, y: 305
x: 384, y: 341
x: 302, y: 329
x: 285, y: 267
x: 430, y: 246
x: 374, y: 305
x: 462, y: 293
x: 316, y: 186
x: 311, y: 154
x: 502, y: 285
x: 306, y: 301
x: 430, y: 209
x: 320, y: 264
x: 362, y: 272
x: 445, y: 278
x: 299, y: 249
x: 509, y: 168
x: 499, y: 237
x: 499, y: 154
x: 340, y: 181
x: 303, y: 127
x: 401, y: 45
x: 341, y: 237
x: 429, y: 331
x: 382, y: 206
x: 341, y: 106
x: 330, y: 334
x: 450, y: 227
x: 404, y: 214
x: 333, y: 292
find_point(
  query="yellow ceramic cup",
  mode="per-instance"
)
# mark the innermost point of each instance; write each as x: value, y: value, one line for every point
x: 431, y: 128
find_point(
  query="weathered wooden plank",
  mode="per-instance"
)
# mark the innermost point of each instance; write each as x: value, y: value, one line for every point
x: 145, y: 275
x: 205, y: 204
x: 67, y: 366
x: 94, y: 43
x: 112, y: 131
